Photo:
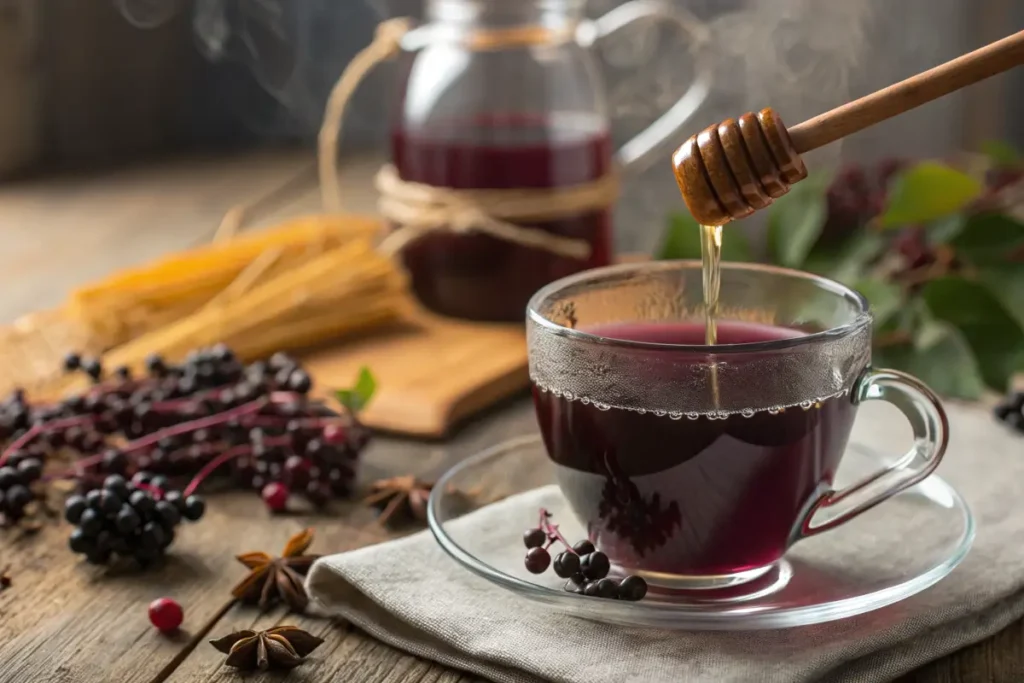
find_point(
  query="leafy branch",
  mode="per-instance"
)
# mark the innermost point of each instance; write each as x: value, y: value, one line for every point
x: 937, y: 250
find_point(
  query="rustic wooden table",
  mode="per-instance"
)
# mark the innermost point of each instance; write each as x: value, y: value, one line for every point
x: 64, y: 621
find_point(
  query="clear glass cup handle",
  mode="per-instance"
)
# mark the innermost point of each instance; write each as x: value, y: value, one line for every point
x: 931, y: 435
x: 636, y: 153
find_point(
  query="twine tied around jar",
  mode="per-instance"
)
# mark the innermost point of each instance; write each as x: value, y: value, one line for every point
x: 417, y: 208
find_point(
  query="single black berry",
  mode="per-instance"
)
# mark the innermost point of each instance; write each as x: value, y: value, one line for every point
x: 590, y: 589
x: 194, y: 508
x: 567, y: 564
x: 92, y: 498
x: 300, y: 382
x: 93, y: 368
x: 110, y: 502
x: 18, y: 497
x: 74, y: 506
x: 117, y: 485
x: 584, y: 548
x: 79, y: 542
x: 168, y: 513
x: 156, y: 366
x: 128, y: 520
x: 30, y: 470
x: 91, y: 522
x: 142, y: 501
x: 534, y: 538
x: 595, y: 565
x: 607, y: 588
x: 8, y: 477
x: 72, y: 362
x: 537, y: 560
x: 632, y: 588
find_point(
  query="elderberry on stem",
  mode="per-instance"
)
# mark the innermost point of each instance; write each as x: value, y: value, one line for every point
x: 212, y: 415
x: 585, y: 567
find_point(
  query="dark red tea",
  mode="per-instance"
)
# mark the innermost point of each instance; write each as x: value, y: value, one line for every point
x: 693, y: 496
x: 477, y: 276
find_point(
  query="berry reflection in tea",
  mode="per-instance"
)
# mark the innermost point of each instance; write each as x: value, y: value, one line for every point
x: 477, y: 276
x: 693, y: 495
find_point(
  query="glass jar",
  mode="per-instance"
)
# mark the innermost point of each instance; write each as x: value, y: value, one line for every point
x: 506, y: 94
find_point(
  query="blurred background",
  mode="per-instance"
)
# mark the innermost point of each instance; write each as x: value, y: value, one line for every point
x: 108, y: 82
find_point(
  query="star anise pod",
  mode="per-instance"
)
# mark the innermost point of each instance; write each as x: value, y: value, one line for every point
x: 400, y: 498
x: 278, y: 578
x: 282, y: 647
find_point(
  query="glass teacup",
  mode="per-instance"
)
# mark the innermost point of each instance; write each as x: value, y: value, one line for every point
x: 698, y: 466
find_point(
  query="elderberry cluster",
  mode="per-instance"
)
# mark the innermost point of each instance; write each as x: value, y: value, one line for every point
x: 18, y: 479
x: 1011, y: 411
x: 585, y: 567
x: 129, y: 519
x: 212, y: 416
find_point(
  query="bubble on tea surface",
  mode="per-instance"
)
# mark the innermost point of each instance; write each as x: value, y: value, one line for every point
x: 642, y: 411
x: 693, y: 416
x: 674, y: 415
x: 602, y: 406
x: 747, y: 412
x: 660, y: 413
x: 585, y: 401
x: 806, y: 405
x: 776, y: 411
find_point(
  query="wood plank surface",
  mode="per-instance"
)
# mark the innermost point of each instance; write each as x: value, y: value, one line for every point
x: 65, y: 622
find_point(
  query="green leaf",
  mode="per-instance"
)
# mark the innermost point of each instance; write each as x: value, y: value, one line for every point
x: 994, y: 336
x: 1001, y: 153
x: 357, y: 397
x: 682, y: 238
x: 989, y: 238
x: 885, y: 298
x: 946, y: 363
x: 850, y: 260
x: 926, y: 192
x: 1006, y: 282
x: 795, y: 221
x: 682, y: 241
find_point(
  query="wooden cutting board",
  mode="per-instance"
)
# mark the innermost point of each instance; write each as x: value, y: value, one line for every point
x: 432, y: 372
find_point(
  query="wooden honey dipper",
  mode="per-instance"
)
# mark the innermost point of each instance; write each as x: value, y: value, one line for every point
x: 732, y: 169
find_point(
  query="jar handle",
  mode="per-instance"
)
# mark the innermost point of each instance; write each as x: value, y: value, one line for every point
x: 649, y: 142
x: 923, y: 410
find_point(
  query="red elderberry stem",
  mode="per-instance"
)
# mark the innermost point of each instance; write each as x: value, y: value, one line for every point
x: 552, y: 531
x: 208, y: 469
x: 39, y: 428
x: 209, y: 421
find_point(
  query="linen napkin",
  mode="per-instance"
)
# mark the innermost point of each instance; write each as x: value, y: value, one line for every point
x: 410, y: 594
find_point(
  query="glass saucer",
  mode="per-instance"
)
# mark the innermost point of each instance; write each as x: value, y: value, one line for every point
x: 817, y: 581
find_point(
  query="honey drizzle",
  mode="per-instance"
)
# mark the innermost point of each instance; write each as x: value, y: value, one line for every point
x: 711, y: 270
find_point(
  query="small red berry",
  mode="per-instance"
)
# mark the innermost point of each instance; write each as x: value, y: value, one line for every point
x: 335, y: 434
x: 165, y: 614
x: 275, y: 495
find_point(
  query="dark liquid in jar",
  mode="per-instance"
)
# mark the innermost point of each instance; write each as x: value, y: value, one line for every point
x: 476, y: 276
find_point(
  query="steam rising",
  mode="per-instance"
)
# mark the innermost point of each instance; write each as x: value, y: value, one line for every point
x: 796, y: 55
x: 801, y: 57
